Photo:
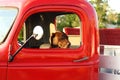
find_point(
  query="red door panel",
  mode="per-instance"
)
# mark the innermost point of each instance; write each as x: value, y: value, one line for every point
x: 49, y: 65
x: 50, y: 73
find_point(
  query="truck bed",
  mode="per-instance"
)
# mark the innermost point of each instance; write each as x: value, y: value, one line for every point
x: 109, y: 54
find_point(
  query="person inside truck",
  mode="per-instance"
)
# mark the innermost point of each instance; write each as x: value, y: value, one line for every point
x: 51, y: 22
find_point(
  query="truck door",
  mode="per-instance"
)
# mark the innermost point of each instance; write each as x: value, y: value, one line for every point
x: 37, y: 60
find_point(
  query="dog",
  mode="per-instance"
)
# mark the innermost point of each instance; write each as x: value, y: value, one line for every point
x: 59, y: 40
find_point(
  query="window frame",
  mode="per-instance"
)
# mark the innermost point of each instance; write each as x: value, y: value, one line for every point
x: 59, y: 52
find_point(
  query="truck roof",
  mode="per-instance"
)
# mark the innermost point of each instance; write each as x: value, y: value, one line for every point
x: 21, y: 3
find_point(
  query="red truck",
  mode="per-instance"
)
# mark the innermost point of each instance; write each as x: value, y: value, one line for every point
x: 24, y: 50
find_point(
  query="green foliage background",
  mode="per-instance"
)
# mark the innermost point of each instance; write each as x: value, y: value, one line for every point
x: 67, y: 20
x: 105, y: 14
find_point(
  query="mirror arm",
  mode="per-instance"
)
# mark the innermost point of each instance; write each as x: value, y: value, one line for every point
x: 37, y: 34
x: 11, y: 57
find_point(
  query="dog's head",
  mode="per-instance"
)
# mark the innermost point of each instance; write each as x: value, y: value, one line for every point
x: 59, y: 40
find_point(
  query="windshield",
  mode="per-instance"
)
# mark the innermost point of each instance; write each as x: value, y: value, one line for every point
x: 7, y: 17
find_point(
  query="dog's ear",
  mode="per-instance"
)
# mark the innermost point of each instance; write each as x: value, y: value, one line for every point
x: 53, y: 35
x: 52, y: 41
x: 64, y: 36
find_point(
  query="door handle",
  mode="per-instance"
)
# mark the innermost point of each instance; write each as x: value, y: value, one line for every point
x: 81, y: 59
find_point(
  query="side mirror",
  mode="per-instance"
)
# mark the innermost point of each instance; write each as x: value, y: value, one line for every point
x: 37, y: 34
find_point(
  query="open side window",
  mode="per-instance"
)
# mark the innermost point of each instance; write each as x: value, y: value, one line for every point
x: 51, y: 22
x: 65, y: 24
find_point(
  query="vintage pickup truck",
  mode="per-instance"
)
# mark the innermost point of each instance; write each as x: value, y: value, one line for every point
x: 25, y: 30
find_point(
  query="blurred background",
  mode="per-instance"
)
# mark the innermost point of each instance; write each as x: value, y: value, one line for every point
x: 108, y: 12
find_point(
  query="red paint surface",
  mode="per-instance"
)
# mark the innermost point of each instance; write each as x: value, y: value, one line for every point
x: 51, y: 64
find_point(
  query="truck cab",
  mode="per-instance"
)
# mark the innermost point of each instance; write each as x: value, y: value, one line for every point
x: 23, y: 57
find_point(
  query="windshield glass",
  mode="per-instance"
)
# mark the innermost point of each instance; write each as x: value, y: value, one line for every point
x: 7, y: 17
